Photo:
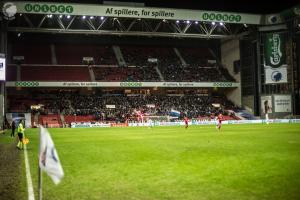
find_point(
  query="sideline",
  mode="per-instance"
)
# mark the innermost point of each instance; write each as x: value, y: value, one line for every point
x: 28, y: 175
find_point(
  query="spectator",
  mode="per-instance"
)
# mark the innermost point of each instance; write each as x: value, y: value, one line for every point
x: 13, y: 128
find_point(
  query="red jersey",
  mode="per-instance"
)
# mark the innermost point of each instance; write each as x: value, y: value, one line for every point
x: 186, y: 120
x: 220, y: 118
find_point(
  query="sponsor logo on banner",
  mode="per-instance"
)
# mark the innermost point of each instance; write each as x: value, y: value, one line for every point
x: 222, y: 84
x: 119, y: 125
x: 27, y: 84
x: 48, y: 8
x: 131, y: 84
x: 276, y: 75
x: 283, y: 103
x: 275, y: 58
x: 221, y: 17
x: 119, y: 84
x: 135, y: 12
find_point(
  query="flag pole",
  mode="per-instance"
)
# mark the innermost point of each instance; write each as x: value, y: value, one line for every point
x: 40, y: 184
x: 40, y: 189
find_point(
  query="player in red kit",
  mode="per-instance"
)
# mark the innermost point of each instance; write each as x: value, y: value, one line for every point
x: 186, y: 121
x: 219, y: 119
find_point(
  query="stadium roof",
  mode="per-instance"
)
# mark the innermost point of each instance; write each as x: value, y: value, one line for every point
x: 157, y: 18
x: 244, y: 6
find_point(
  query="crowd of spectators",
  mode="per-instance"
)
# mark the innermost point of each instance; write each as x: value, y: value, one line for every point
x: 136, y: 74
x: 142, y: 55
x: 126, y: 107
x: 211, y: 73
x: 107, y: 56
x: 195, y: 57
x: 197, y: 67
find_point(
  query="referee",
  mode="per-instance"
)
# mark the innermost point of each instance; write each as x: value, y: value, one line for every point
x: 20, y: 131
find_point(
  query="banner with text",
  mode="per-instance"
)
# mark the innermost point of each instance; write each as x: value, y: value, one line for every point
x: 275, y: 58
x: 283, y: 103
x: 122, y: 84
x: 135, y: 12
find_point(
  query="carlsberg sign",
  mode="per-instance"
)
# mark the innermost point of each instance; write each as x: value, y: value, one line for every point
x: 274, y: 50
x: 275, y: 58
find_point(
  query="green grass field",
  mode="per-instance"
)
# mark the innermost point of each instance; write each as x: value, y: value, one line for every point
x: 239, y: 162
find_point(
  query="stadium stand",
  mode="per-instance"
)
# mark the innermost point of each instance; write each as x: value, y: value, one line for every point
x: 11, y: 73
x: 139, y: 55
x: 83, y: 108
x: 125, y: 74
x: 51, y: 121
x: 80, y: 118
x: 63, y: 62
x: 73, y: 54
x: 196, y: 57
x: 192, y: 74
x: 33, y: 53
x: 54, y: 73
x: 139, y: 67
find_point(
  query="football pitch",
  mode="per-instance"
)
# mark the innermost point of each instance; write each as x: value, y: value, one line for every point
x: 141, y: 163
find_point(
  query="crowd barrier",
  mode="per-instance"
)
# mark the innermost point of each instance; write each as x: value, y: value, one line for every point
x: 89, y: 125
x: 181, y: 123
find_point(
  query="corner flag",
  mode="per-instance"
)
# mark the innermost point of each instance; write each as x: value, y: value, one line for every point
x: 48, y: 158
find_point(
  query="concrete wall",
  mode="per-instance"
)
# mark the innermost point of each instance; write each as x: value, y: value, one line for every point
x: 230, y: 52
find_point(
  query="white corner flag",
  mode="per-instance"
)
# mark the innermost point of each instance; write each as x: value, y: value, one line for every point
x: 48, y: 158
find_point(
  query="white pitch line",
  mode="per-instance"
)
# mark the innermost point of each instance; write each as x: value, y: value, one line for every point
x: 28, y: 175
